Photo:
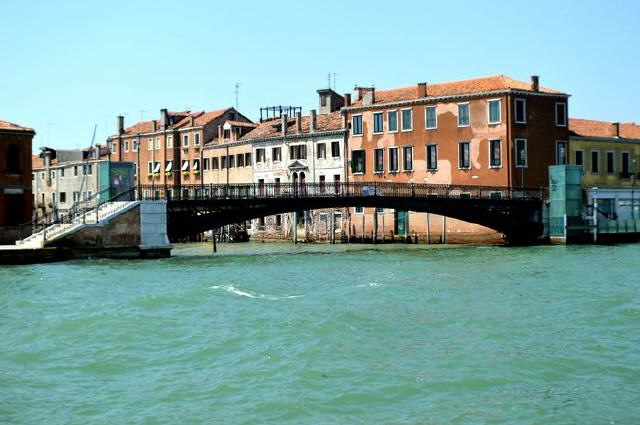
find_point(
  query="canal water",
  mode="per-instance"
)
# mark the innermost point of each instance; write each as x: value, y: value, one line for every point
x: 276, y: 333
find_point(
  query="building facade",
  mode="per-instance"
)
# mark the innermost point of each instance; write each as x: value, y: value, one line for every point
x: 492, y: 131
x: 297, y: 151
x: 16, y: 203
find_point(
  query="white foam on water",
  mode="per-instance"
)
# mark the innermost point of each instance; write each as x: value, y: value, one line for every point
x: 368, y: 284
x: 245, y: 293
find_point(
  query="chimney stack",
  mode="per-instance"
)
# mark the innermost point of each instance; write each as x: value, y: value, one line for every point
x: 299, y: 122
x: 616, y: 129
x: 535, y: 83
x: 312, y: 121
x: 358, y: 92
x: 347, y: 99
x: 369, y: 96
x: 120, y: 124
x: 284, y: 123
x: 422, y: 90
x: 164, y: 119
x: 154, y: 125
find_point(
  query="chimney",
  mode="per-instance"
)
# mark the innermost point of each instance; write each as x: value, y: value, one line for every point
x: 312, y: 121
x: 347, y: 99
x: 422, y: 90
x: 358, y: 92
x: 284, y: 123
x: 369, y: 96
x: 190, y: 120
x: 299, y: 122
x: 616, y: 129
x: 154, y: 125
x: 535, y: 83
x: 120, y: 124
x: 164, y: 119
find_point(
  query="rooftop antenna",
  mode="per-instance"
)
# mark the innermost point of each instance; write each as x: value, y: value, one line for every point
x: 334, y: 80
x: 49, y: 134
x: 237, y: 91
x: 142, y: 112
x: 329, y: 79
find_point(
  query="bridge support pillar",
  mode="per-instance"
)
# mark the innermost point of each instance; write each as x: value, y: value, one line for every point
x: 375, y: 226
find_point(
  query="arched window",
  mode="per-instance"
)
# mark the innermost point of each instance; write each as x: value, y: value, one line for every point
x: 13, y: 159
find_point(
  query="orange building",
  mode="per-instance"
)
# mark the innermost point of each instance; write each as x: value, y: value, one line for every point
x: 16, y: 200
x: 491, y: 131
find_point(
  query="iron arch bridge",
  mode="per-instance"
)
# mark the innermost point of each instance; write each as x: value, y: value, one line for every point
x: 193, y: 209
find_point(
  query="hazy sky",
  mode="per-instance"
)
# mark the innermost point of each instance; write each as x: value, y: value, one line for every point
x: 69, y: 65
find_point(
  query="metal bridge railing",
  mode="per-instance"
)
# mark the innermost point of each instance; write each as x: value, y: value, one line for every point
x: 346, y: 190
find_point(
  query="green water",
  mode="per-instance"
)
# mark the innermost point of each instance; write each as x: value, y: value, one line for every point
x: 276, y: 333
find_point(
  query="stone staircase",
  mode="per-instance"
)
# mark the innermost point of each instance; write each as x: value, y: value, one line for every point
x: 67, y: 225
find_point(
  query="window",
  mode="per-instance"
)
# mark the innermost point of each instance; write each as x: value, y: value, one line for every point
x: 279, y: 216
x: 378, y: 123
x: 150, y: 167
x: 407, y: 158
x: 63, y: 197
x: 75, y: 170
x: 521, y: 153
x: 432, y: 157
x: 321, y: 153
x: 335, y: 149
x: 463, y: 155
x: 358, y: 160
x: 90, y: 169
x: 260, y: 155
x: 407, y: 120
x: 626, y: 165
x: 378, y: 163
x: 62, y: 172
x: 495, y: 153
x: 392, y: 121
x: 595, y: 161
x: 126, y: 146
x: 157, y: 143
x: 53, y: 174
x: 114, y: 147
x: 579, y: 157
x: 247, y: 159
x: 494, y: 111
x: 561, y: 114
x: 196, y: 165
x: 430, y: 117
x: 356, y: 125
x: 226, y: 134
x: 521, y: 111
x: 611, y: 166
x: 41, y: 176
x: 561, y: 153
x: 135, y: 144
x: 359, y: 210
x: 76, y: 196
x: 276, y: 154
x: 298, y: 151
x: 463, y: 115
x: 215, y: 163
x: 150, y: 144
x: 393, y: 160
x: 185, y: 165
x: 185, y: 141
x: 169, y: 142
x: 231, y: 161
x: 240, y: 160
x: 205, y: 164
x: 196, y: 139
x: 168, y: 167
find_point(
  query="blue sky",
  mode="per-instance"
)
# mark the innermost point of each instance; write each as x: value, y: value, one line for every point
x: 69, y: 65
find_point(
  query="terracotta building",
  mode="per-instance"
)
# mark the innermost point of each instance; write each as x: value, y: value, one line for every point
x: 491, y: 131
x: 169, y: 150
x: 16, y: 201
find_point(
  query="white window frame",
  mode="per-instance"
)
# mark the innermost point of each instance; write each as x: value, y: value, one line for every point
x: 375, y: 162
x: 196, y: 139
x: 402, y: 119
x: 526, y: 153
x: 468, y: 142
x: 607, y: 163
x: 135, y: 146
x: 150, y: 143
x: 126, y: 146
x: 524, y: 110
x: 427, y: 157
x: 353, y: 133
x: 364, y: 153
x: 185, y: 138
x: 404, y: 168
x: 394, y: 111
x: 564, y: 104
x: 490, y: 151
x: 397, y: 170
x: 469, y: 114
x: 566, y: 151
x: 426, y: 108
x: 157, y: 145
x: 373, y: 122
x: 489, y: 112
x: 169, y: 142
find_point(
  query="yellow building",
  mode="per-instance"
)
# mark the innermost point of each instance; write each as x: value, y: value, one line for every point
x: 608, y: 152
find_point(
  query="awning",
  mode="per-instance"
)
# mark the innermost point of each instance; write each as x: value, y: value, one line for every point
x: 156, y: 167
x: 196, y: 164
x: 185, y: 165
x: 169, y: 167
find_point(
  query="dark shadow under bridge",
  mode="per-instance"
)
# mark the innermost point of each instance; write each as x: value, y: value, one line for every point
x: 193, y: 209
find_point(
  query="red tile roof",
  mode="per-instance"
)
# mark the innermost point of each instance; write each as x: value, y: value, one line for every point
x: 271, y: 128
x: 470, y: 86
x: 593, y: 128
x: 6, y: 125
x: 199, y: 119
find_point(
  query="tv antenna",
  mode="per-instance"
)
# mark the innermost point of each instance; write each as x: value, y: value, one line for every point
x: 237, y: 92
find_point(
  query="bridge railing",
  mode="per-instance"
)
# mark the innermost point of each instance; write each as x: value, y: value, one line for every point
x: 347, y: 190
